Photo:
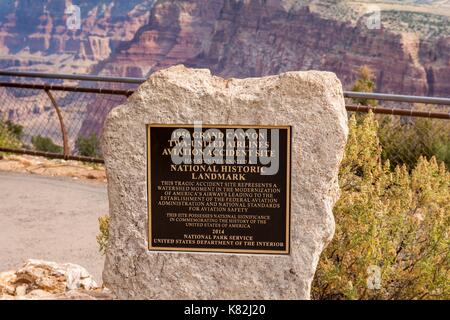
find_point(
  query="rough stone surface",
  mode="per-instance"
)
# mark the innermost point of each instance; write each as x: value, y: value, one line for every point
x: 312, y: 102
x: 39, y: 279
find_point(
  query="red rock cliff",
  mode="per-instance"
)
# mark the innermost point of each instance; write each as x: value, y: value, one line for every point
x: 255, y: 38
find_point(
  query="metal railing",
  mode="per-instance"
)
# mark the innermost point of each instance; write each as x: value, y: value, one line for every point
x: 77, y: 77
x: 130, y: 80
x: 54, y: 120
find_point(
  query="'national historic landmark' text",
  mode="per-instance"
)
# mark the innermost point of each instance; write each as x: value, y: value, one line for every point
x: 219, y: 188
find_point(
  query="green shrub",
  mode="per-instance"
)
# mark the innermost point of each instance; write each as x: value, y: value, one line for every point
x: 405, y: 139
x: 9, y: 135
x: 88, y: 146
x: 45, y: 144
x: 404, y: 143
x: 15, y: 129
x: 103, y: 236
x: 394, y: 221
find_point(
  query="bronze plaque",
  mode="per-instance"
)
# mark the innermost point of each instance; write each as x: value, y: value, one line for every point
x: 219, y: 188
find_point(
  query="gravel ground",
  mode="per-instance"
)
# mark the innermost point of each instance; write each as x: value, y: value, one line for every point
x: 50, y: 218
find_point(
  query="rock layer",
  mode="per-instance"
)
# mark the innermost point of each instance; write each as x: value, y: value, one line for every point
x: 231, y: 38
x: 311, y: 102
x: 258, y: 38
x: 35, y: 36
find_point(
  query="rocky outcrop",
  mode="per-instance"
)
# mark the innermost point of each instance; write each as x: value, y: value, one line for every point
x: 176, y: 32
x: 436, y: 61
x: 31, y: 29
x: 38, y: 279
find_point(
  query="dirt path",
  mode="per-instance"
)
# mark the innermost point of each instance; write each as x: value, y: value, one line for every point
x: 50, y: 218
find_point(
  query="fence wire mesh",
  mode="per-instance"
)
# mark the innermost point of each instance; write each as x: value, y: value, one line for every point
x: 405, y: 139
x: 31, y: 122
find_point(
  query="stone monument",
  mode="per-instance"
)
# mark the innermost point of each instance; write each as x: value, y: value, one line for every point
x: 191, y: 218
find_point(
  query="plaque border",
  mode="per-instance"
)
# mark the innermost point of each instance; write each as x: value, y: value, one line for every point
x: 148, y: 126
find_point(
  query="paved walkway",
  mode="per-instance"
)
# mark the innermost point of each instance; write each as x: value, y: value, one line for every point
x: 50, y: 218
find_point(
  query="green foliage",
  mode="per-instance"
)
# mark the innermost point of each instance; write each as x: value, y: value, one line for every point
x: 15, y: 129
x: 365, y: 83
x: 403, y: 139
x: 394, y: 220
x: 103, y: 236
x: 10, y: 135
x: 45, y: 144
x: 88, y: 146
x: 404, y: 143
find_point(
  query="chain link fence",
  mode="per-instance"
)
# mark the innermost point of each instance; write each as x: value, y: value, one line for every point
x: 67, y: 121
x: 408, y: 131
x: 405, y: 139
x: 59, y: 122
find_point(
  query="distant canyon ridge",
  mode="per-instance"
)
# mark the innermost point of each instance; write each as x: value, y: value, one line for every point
x: 233, y: 38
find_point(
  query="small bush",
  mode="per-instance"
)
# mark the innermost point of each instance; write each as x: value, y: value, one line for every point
x: 404, y: 143
x: 391, y: 224
x: 103, y: 236
x: 45, y: 144
x: 406, y: 139
x: 9, y: 137
x: 88, y: 146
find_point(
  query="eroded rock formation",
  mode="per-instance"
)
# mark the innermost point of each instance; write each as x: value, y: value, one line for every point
x: 257, y: 38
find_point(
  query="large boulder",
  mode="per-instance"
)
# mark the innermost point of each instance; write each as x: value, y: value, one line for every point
x: 311, y: 102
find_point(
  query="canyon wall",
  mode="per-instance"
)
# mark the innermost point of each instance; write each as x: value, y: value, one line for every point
x: 256, y: 38
x: 233, y: 38
x: 34, y: 34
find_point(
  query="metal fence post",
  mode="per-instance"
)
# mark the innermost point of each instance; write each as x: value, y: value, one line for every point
x: 61, y: 122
